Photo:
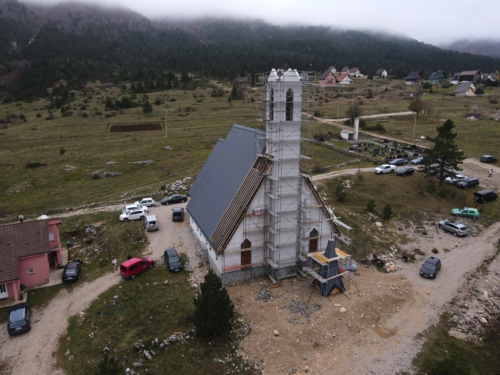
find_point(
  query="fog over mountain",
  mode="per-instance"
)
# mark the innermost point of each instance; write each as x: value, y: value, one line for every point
x: 427, y: 21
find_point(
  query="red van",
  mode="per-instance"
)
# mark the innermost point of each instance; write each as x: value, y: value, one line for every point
x: 132, y: 267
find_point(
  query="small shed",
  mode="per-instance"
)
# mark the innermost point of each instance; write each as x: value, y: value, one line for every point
x: 465, y: 89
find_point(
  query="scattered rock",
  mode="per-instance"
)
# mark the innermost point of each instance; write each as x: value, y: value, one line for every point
x: 342, y: 310
x: 92, y: 335
x: 147, y: 355
x: 276, y: 332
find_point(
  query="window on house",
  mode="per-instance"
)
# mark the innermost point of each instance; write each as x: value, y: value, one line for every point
x: 51, y: 236
x: 289, y: 105
x: 31, y: 271
x: 246, y: 244
x: 313, y: 241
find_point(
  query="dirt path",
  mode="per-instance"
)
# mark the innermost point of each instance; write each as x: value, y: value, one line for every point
x: 32, y: 353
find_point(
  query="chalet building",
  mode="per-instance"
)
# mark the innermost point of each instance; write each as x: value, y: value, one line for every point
x: 252, y: 208
x: 344, y: 79
x: 332, y: 69
x: 414, y: 78
x: 327, y: 79
x: 27, y: 250
x: 345, y: 69
x: 437, y: 77
x: 454, y: 79
x: 354, y: 72
x: 381, y: 72
x: 465, y: 89
x: 470, y: 76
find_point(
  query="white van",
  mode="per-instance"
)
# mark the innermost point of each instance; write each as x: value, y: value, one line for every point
x: 151, y: 223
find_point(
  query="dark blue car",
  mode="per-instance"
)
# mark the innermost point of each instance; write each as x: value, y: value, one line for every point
x: 19, y: 318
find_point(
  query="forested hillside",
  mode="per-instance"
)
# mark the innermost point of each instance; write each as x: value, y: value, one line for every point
x: 78, y: 43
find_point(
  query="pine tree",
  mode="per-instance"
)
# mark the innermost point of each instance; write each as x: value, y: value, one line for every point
x: 109, y: 366
x: 214, y: 310
x: 444, y: 153
x: 147, y: 108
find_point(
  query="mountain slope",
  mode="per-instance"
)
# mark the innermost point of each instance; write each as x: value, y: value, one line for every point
x: 478, y: 47
x: 78, y: 43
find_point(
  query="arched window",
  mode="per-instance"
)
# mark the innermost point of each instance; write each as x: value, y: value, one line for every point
x: 246, y: 255
x: 271, y: 106
x: 246, y: 244
x: 289, y: 105
x: 313, y: 241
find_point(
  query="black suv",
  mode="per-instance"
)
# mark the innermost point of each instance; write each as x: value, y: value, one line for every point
x: 468, y: 182
x: 488, y: 159
x: 173, y: 260
x: 430, y: 268
x: 483, y: 196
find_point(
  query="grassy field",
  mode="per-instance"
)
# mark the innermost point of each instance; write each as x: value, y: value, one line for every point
x: 53, y: 184
x: 146, y: 308
x: 414, y: 200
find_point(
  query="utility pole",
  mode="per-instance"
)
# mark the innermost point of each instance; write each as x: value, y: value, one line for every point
x: 414, y: 126
x: 338, y: 111
x: 166, y: 110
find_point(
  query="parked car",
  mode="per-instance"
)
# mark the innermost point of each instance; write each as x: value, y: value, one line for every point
x: 447, y: 173
x: 19, y: 319
x: 151, y: 222
x: 173, y: 260
x: 175, y: 198
x: 130, y: 207
x: 457, y: 228
x: 454, y: 179
x: 466, y: 212
x: 385, y: 168
x: 398, y: 162
x: 71, y: 272
x: 149, y: 202
x: 418, y: 160
x: 137, y: 214
x: 135, y: 266
x: 483, y: 196
x: 488, y: 159
x: 178, y: 214
x: 468, y: 182
x: 430, y: 268
x: 405, y: 171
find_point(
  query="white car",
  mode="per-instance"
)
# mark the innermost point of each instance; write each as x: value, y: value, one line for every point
x: 130, y: 207
x: 385, y: 168
x: 149, y: 202
x: 454, y: 180
x: 137, y: 214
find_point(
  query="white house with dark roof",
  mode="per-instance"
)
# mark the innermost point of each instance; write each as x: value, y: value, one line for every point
x: 252, y: 208
x: 465, y: 89
x: 381, y: 72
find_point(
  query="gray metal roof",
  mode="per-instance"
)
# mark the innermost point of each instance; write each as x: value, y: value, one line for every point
x: 437, y: 75
x: 464, y: 86
x: 222, y: 175
x: 414, y: 75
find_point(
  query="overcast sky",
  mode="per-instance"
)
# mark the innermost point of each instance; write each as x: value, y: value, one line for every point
x: 430, y: 21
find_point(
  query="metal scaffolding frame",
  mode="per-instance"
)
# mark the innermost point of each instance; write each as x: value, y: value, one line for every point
x: 289, y: 193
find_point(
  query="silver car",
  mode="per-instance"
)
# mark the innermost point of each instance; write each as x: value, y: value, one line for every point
x: 455, y: 227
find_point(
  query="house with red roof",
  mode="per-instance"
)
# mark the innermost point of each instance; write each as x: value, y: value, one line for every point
x: 344, y: 79
x: 27, y: 251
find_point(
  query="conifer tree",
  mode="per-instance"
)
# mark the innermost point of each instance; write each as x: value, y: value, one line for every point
x: 214, y: 312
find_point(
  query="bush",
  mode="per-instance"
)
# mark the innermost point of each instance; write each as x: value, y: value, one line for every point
x: 340, y: 192
x: 427, y: 86
x: 434, y: 250
x: 479, y: 91
x: 109, y: 366
x: 34, y: 165
x: 494, y: 101
x: 38, y: 115
x: 214, y: 312
x: 387, y: 214
x: 371, y: 205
